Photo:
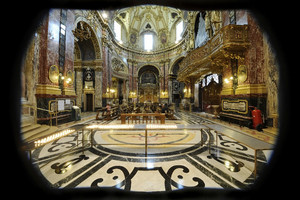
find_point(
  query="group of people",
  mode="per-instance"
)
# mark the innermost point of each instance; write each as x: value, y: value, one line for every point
x: 161, y: 108
x: 143, y: 108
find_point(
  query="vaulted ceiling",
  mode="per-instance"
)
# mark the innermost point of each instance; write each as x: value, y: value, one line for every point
x: 142, y: 18
x: 159, y: 20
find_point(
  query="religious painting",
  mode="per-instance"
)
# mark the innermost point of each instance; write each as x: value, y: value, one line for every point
x: 148, y: 77
x: 242, y: 73
x: 53, y: 74
x: 133, y: 38
x: 163, y: 37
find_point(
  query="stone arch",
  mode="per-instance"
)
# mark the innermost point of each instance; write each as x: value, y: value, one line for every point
x: 175, y: 87
x: 149, y: 83
x: 152, y: 64
x: 149, y: 68
x: 93, y: 39
x: 87, y: 57
x: 175, y: 62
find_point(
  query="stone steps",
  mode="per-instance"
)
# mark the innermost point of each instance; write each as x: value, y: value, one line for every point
x: 34, y: 131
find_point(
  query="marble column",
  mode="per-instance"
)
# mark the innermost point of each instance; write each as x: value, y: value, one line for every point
x: 127, y: 90
x: 98, y: 84
x: 124, y: 89
x: 170, y: 89
x: 78, y: 74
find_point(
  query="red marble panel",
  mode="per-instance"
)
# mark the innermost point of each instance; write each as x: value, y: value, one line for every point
x: 254, y: 59
x: 43, y: 50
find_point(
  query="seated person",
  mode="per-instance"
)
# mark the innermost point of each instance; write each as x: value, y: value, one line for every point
x: 158, y: 109
x: 107, y: 111
x: 147, y: 109
x: 108, y: 108
x: 165, y: 108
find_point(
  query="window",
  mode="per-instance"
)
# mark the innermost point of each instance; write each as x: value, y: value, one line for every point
x: 232, y: 17
x: 148, y: 42
x: 117, y: 30
x: 62, y: 38
x: 63, y: 29
x: 179, y: 29
x: 212, y: 77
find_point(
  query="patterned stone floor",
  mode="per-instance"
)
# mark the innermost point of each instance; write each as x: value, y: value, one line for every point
x: 175, y: 159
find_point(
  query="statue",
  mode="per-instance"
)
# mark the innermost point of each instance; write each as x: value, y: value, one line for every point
x: 216, y: 20
x: 234, y: 82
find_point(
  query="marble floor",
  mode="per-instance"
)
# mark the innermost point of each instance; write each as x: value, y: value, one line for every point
x: 175, y: 159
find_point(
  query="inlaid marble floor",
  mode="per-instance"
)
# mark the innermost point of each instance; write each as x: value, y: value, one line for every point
x: 175, y: 159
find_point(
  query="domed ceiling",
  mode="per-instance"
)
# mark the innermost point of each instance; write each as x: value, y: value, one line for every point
x: 158, y: 20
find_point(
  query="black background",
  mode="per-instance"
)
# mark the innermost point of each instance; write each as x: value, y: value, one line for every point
x: 277, y: 18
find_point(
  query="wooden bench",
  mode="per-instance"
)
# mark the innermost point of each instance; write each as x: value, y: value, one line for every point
x: 148, y: 117
x: 108, y: 115
x: 100, y: 113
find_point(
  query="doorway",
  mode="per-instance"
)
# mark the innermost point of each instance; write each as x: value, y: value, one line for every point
x: 89, y: 102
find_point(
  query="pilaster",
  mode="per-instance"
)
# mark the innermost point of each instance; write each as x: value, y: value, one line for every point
x: 98, y: 84
x: 78, y: 74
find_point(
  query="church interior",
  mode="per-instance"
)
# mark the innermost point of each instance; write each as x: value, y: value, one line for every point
x: 149, y: 99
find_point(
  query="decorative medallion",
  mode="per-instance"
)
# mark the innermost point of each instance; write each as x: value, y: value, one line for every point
x: 163, y: 37
x: 70, y: 77
x: 133, y: 38
x: 242, y: 73
x: 53, y: 74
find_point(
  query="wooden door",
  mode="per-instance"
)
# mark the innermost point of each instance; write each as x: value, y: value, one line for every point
x: 89, y: 102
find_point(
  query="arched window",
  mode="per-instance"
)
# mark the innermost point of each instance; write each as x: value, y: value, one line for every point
x: 179, y: 29
x: 117, y: 30
x: 148, y: 41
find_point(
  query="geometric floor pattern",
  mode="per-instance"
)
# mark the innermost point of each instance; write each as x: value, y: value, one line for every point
x: 175, y: 159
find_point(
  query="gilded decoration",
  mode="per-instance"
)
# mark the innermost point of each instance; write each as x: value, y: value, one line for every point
x: 53, y: 74
x: 117, y: 65
x: 48, y: 89
x: 229, y: 43
x: 251, y: 89
x: 82, y: 32
x: 120, y: 70
x: 161, y: 21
